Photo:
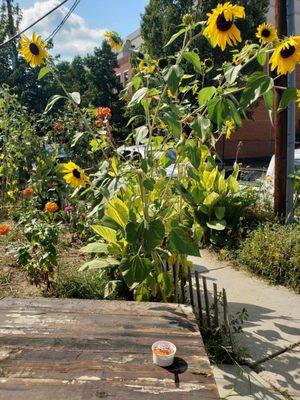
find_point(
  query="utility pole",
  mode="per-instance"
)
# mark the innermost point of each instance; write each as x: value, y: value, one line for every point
x: 12, y: 32
x: 284, y: 126
x: 291, y: 127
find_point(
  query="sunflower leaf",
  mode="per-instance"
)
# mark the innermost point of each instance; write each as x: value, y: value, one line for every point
x: 289, y: 95
x: 75, y: 96
x: 44, y: 71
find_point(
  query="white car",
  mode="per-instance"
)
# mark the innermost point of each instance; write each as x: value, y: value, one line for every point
x: 138, y: 152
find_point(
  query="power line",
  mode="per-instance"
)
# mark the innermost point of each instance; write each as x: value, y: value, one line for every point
x: 33, y: 24
x: 64, y: 20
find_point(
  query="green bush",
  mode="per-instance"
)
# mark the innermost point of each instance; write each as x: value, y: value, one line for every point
x: 273, y: 251
x: 78, y: 285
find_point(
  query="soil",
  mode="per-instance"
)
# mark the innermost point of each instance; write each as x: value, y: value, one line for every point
x: 13, y: 280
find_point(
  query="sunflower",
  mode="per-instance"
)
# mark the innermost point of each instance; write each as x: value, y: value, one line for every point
x: 220, y: 27
x: 4, y: 229
x: 286, y: 55
x: 266, y: 33
x: 33, y: 50
x: 74, y: 175
x: 51, y: 207
x: 114, y: 40
x: 229, y: 128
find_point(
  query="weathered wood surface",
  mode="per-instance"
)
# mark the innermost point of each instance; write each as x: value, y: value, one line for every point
x: 59, y: 349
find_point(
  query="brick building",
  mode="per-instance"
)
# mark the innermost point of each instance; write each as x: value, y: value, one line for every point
x: 255, y: 140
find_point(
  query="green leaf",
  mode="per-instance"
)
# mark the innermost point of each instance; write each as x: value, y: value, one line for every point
x: 269, y: 99
x: 132, y: 232
x: 193, y: 58
x: 154, y: 235
x: 233, y: 184
x: 175, y: 36
x: 75, y: 97
x: 149, y: 184
x: 135, y: 270
x: 96, y: 247
x: 136, y: 81
x: 141, y: 134
x: 43, y: 72
x: 217, y: 225
x: 262, y: 58
x: 205, y: 95
x: 138, y: 96
x: 232, y: 74
x: 99, y: 263
x: 257, y: 85
x: 166, y: 284
x: 173, y: 123
x: 52, y: 101
x: 117, y: 211
x: 288, y: 96
x: 220, y: 212
x: 110, y: 235
x: 111, y: 287
x: 181, y: 243
x: 211, y: 199
x: 172, y: 77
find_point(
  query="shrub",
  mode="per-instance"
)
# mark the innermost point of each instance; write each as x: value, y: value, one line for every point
x: 78, y: 285
x: 273, y: 251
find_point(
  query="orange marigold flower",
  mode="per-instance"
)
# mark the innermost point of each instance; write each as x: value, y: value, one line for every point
x: 51, y: 207
x: 58, y: 127
x: 222, y: 251
x: 28, y: 192
x: 104, y: 113
x: 4, y: 229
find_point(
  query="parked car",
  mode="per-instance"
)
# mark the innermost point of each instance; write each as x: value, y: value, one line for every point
x: 138, y: 152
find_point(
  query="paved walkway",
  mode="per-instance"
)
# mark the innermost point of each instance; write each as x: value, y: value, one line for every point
x: 272, y: 332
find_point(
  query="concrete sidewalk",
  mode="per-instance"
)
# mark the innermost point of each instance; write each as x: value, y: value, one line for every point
x: 272, y: 331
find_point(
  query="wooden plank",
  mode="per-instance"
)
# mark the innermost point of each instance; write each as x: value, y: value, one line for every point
x: 90, y: 350
x: 93, y: 389
x: 101, y: 307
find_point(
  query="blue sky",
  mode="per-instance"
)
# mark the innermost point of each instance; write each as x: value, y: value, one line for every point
x: 85, y: 27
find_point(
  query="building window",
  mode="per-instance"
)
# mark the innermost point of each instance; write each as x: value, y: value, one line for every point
x: 126, y: 77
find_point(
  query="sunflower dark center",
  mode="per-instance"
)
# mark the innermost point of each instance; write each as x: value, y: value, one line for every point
x: 76, y: 173
x: 34, y: 49
x: 222, y: 23
x: 266, y: 33
x: 287, y: 51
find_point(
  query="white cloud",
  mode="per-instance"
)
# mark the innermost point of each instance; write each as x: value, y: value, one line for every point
x: 74, y: 38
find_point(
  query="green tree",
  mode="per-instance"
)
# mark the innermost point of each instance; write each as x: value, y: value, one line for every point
x: 160, y: 21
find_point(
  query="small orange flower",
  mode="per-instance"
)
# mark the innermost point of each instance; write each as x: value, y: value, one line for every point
x: 27, y: 192
x: 4, y: 229
x: 51, y: 207
x: 104, y: 113
x: 222, y: 251
x: 58, y: 127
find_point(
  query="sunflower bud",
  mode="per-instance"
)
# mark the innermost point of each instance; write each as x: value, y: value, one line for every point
x: 187, y: 19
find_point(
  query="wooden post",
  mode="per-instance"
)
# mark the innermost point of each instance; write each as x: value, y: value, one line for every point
x: 191, y: 287
x: 199, y: 302
x: 280, y: 181
x: 207, y: 308
x: 216, y: 311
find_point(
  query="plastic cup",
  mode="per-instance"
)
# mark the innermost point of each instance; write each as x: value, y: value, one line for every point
x: 163, y: 360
